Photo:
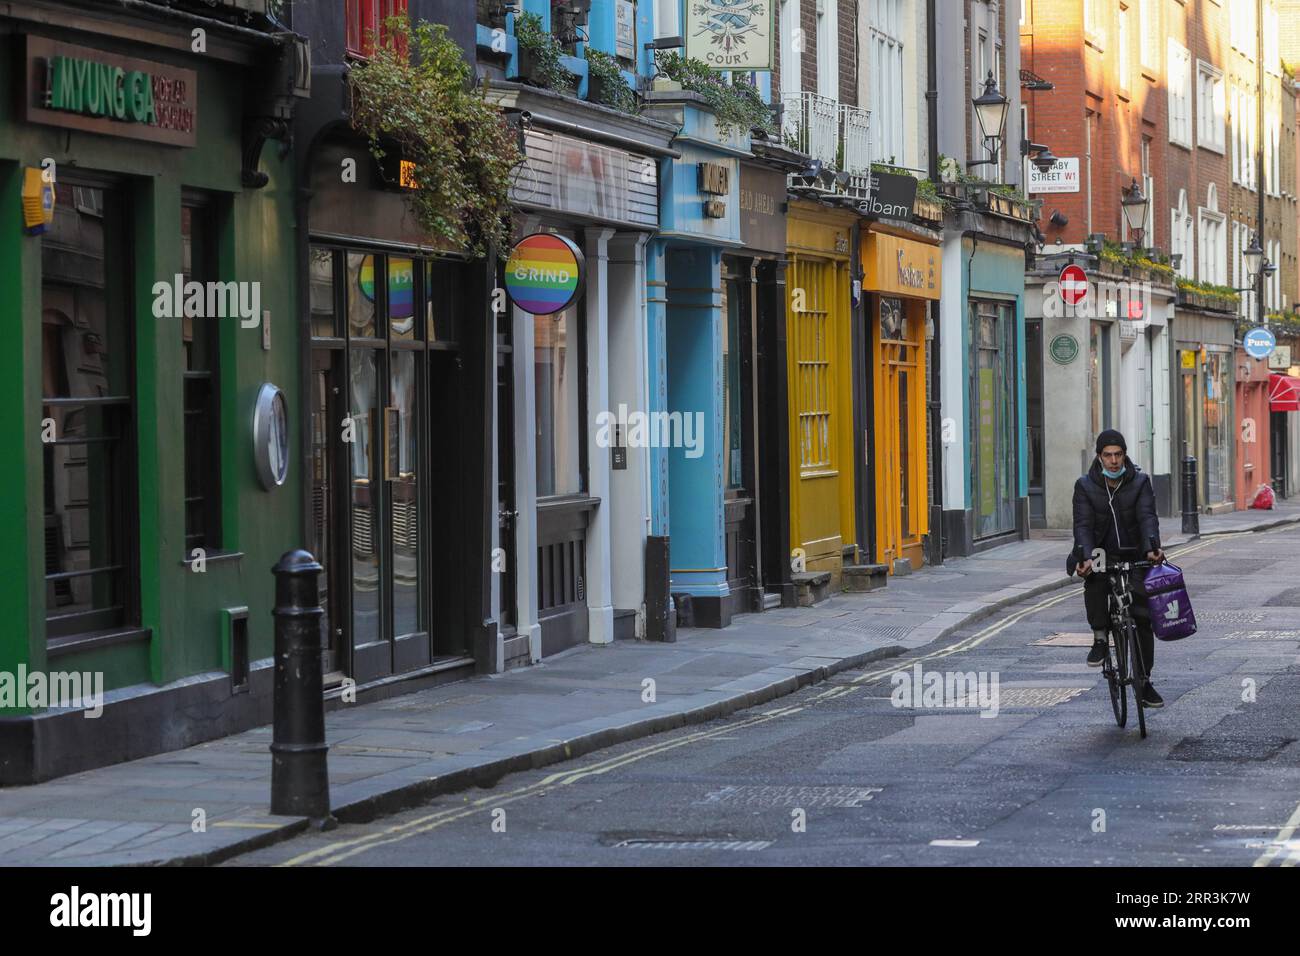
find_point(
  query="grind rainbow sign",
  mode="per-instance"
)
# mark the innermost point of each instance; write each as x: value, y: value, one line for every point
x: 544, y: 273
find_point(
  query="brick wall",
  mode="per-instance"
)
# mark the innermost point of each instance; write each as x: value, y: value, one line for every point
x: 848, y: 40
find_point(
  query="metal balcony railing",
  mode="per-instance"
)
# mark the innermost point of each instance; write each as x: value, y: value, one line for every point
x: 812, y: 125
x: 855, y: 134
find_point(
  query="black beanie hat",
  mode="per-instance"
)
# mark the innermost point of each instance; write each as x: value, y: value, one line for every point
x: 1110, y: 436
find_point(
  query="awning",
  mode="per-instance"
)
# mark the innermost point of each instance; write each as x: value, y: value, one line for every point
x: 1283, y: 393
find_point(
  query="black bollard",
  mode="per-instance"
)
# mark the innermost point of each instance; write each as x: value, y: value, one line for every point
x: 1191, y: 518
x: 299, y: 778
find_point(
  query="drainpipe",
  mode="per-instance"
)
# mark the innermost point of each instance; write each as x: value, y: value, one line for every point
x: 936, y: 351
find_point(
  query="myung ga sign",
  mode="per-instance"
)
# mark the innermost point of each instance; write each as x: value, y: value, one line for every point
x: 1105, y: 299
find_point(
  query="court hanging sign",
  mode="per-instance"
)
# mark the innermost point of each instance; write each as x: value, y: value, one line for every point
x: 732, y: 34
x: 544, y: 273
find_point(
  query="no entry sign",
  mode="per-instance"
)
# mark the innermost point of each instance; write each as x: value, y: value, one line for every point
x: 1073, y: 285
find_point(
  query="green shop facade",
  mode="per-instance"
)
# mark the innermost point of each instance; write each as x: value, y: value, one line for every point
x: 148, y: 325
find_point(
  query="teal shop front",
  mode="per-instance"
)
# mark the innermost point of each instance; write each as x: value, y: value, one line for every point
x: 690, y: 343
x: 983, y: 445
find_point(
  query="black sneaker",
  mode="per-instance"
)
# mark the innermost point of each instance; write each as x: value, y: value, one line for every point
x: 1098, y: 654
x: 1150, y: 698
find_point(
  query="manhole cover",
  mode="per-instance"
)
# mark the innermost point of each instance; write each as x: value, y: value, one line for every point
x: 1237, y: 749
x: 1288, y: 598
x: 1079, y: 639
x: 1264, y: 635
x: 694, y: 844
x: 772, y: 796
x: 1028, y: 697
x: 880, y: 629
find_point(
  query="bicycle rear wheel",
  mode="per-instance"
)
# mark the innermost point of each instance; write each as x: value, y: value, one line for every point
x: 1139, y: 677
x: 1113, y: 667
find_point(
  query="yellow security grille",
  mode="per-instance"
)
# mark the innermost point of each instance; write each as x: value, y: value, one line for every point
x: 809, y: 304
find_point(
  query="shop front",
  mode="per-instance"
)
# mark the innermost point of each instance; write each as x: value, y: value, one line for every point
x: 1254, y: 432
x: 149, y: 321
x: 1203, y: 415
x: 824, y: 534
x: 902, y: 277
x: 982, y: 364
x: 574, y: 441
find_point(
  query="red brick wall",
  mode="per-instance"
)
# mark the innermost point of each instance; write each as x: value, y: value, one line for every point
x: 848, y: 29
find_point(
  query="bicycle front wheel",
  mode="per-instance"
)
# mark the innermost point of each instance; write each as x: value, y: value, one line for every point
x: 1114, y: 670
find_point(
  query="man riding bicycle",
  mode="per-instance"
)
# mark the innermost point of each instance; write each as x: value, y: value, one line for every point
x: 1115, y: 510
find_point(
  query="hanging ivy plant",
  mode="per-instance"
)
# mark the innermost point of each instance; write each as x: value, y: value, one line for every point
x: 606, y: 81
x: 462, y: 149
x: 735, y: 106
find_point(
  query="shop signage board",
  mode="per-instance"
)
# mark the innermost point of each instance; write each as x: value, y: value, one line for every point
x: 732, y: 34
x: 761, y: 203
x: 544, y: 273
x: 82, y: 88
x: 1280, y: 358
x: 892, y: 196
x: 901, y: 266
x: 1259, y: 343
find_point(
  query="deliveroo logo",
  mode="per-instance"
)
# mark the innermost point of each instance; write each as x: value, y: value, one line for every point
x: 1171, y: 612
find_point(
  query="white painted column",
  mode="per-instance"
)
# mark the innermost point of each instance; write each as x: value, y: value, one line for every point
x: 525, y: 438
x: 629, y: 510
x: 600, y: 600
x: 953, y: 375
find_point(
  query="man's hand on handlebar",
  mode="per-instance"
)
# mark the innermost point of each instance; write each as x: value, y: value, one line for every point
x: 1085, y: 568
x: 1157, y: 556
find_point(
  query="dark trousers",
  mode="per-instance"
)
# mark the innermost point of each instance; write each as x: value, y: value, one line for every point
x: 1096, y: 600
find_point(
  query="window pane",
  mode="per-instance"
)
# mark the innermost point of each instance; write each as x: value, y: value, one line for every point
x: 365, y: 498
x: 557, y: 370
x: 406, y: 518
x: 322, y: 292
x: 85, y: 351
x: 443, y: 298
x: 361, y: 295
x: 733, y: 462
x: 401, y: 298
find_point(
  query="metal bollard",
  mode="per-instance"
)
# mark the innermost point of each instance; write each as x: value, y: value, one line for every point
x: 299, y: 778
x: 1191, y: 518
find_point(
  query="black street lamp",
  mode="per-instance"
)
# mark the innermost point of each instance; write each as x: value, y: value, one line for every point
x: 991, y: 111
x: 1134, y: 205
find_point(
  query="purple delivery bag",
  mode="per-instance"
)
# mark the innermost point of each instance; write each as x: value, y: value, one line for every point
x: 1168, y: 603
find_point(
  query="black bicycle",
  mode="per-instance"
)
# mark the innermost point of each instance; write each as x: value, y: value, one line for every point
x: 1123, y: 665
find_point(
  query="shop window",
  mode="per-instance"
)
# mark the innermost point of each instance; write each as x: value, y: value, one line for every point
x: 367, y: 19
x: 88, y: 410
x: 732, y: 396
x: 200, y: 339
x: 558, y: 370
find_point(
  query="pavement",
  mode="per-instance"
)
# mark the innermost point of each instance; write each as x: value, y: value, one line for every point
x: 208, y: 803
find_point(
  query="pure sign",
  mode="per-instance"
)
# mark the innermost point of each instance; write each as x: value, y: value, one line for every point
x: 1259, y: 343
x: 1073, y: 285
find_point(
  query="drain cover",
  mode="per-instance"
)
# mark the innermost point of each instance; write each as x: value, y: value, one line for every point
x: 694, y: 844
x: 770, y: 796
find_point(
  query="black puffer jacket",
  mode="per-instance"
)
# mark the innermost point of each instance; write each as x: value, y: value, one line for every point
x: 1122, y: 521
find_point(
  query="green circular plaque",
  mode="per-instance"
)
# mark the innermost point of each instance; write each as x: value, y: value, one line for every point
x: 1064, y: 349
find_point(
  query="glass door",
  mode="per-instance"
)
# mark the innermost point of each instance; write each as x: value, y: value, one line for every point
x: 993, y: 420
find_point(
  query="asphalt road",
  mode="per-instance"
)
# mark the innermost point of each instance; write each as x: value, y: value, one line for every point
x: 838, y: 774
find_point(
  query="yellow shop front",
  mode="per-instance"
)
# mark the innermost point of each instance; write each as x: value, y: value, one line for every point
x: 902, y: 278
x: 820, y: 374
